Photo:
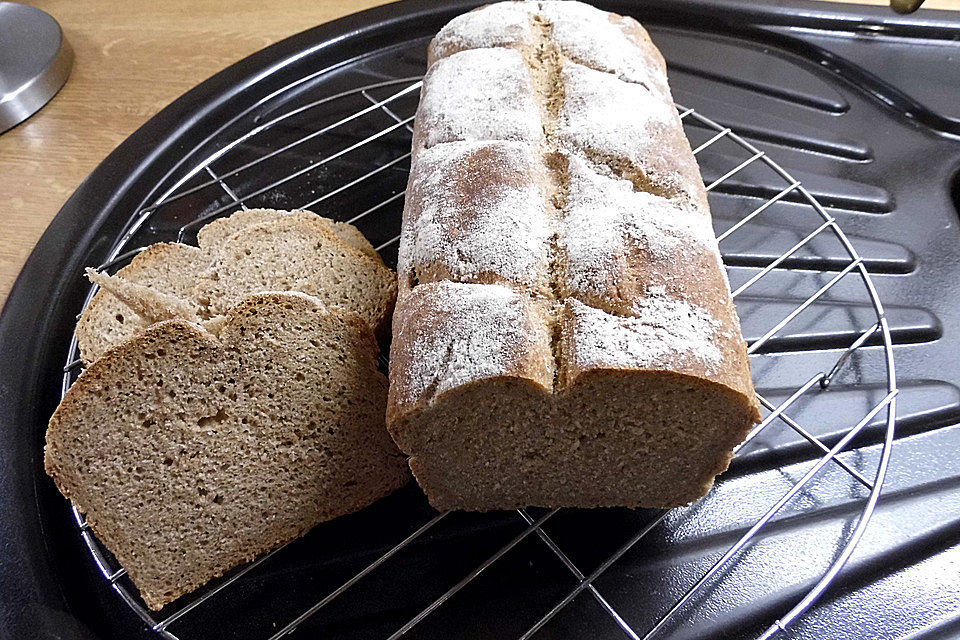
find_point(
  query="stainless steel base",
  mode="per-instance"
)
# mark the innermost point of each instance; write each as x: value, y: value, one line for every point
x: 35, y: 61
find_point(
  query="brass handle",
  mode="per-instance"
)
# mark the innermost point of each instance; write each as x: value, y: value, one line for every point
x: 905, y: 6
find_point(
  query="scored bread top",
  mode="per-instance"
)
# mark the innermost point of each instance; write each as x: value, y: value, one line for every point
x: 247, y: 252
x: 484, y: 94
x: 477, y: 212
x: 633, y: 279
x: 575, y: 28
x: 630, y: 129
x: 664, y: 334
x: 503, y: 24
x: 626, y: 50
x: 450, y: 333
x: 616, y: 241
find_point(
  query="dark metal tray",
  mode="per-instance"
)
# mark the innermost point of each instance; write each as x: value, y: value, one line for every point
x: 856, y: 103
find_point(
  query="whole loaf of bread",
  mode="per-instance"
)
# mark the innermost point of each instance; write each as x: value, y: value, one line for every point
x: 564, y: 333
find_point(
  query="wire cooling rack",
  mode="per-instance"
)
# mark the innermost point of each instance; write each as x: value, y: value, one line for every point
x: 350, y: 152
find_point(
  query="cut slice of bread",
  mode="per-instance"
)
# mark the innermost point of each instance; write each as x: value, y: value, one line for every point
x: 149, y: 304
x: 296, y: 253
x: 216, y: 232
x: 247, y: 252
x: 108, y: 321
x: 192, y: 452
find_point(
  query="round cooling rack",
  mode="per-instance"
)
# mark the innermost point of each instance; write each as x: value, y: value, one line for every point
x: 323, y: 121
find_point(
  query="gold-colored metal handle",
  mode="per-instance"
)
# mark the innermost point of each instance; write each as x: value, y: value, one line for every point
x: 905, y: 6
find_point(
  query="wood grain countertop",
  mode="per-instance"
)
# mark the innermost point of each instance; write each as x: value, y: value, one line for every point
x: 132, y: 58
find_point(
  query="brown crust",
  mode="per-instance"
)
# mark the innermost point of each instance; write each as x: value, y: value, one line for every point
x: 661, y: 163
x: 512, y: 89
x: 454, y: 38
x: 421, y: 313
x: 674, y: 487
x: 446, y: 44
x: 453, y: 196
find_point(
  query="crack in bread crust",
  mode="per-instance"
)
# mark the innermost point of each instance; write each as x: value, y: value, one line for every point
x: 545, y: 62
x: 545, y: 65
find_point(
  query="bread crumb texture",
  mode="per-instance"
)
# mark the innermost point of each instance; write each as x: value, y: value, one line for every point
x: 245, y: 253
x: 565, y: 334
x: 191, y: 452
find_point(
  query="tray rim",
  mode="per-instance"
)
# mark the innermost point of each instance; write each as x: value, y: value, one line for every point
x: 27, y: 338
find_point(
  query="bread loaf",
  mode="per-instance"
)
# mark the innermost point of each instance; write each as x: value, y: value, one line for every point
x: 564, y: 333
x: 191, y: 452
x: 245, y: 253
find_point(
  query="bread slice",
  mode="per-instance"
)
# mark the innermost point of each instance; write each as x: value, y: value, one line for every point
x: 215, y: 233
x: 192, y: 452
x: 108, y: 321
x: 296, y: 253
x: 149, y: 304
x: 252, y: 251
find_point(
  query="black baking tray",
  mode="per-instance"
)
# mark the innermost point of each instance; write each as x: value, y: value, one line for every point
x: 858, y: 103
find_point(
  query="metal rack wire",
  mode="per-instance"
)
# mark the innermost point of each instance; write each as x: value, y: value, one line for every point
x: 201, y: 176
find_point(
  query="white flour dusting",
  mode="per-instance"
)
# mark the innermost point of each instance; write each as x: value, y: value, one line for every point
x: 503, y: 24
x: 604, y: 114
x: 476, y: 206
x: 477, y: 209
x: 479, y: 331
x: 578, y: 27
x: 666, y: 334
x: 576, y: 30
x: 606, y: 219
x: 480, y: 94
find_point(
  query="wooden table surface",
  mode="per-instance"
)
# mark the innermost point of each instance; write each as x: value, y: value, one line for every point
x: 132, y: 58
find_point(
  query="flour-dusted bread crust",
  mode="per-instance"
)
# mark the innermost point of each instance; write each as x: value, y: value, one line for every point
x: 627, y: 130
x: 564, y: 334
x: 247, y: 252
x: 617, y: 243
x: 449, y: 334
x: 478, y: 212
x: 575, y: 29
x: 192, y: 452
x: 502, y: 107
